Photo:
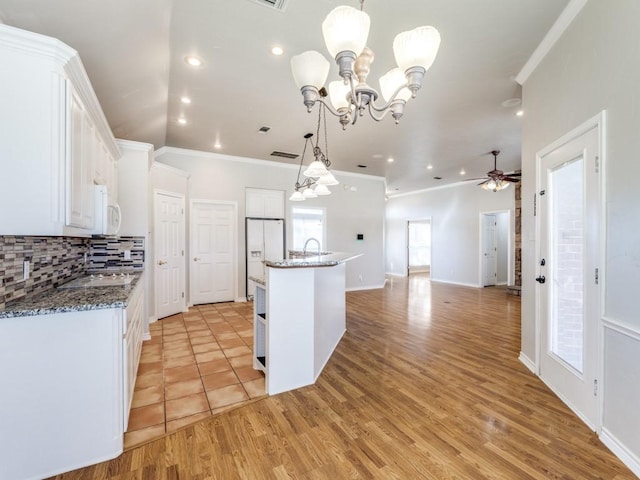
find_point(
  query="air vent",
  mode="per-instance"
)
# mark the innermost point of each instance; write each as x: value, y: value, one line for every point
x: 264, y: 129
x: 279, y: 5
x: 437, y: 178
x: 362, y: 166
x: 276, y: 153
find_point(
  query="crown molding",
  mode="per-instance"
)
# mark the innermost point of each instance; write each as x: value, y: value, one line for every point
x: 169, y: 169
x: 553, y: 35
x: 133, y: 145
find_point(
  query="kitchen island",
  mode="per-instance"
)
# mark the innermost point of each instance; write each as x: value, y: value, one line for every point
x: 299, y: 318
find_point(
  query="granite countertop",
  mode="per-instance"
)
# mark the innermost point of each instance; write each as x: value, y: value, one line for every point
x: 326, y: 260
x: 60, y: 300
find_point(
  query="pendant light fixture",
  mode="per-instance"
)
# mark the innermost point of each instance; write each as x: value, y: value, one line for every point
x: 345, y: 31
x: 318, y: 176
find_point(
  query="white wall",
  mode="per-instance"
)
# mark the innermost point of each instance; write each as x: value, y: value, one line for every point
x: 595, y: 66
x: 455, y: 233
x: 222, y: 177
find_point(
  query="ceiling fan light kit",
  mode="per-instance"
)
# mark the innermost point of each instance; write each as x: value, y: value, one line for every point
x: 497, y: 179
x: 345, y: 31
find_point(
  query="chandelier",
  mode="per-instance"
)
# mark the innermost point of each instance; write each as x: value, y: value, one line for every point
x: 345, y: 33
x: 318, y: 176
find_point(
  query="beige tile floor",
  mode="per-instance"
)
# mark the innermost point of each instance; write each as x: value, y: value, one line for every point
x: 196, y: 364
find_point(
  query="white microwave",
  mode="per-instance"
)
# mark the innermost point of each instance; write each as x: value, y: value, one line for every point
x: 107, y: 213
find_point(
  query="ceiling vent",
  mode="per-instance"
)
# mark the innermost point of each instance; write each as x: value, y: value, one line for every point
x: 279, y: 5
x: 276, y: 153
x: 264, y: 130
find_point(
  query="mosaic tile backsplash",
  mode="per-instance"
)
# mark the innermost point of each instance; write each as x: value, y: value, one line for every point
x: 109, y: 253
x: 53, y: 261
x: 56, y: 260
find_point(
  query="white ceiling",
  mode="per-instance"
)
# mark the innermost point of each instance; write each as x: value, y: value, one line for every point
x: 133, y: 51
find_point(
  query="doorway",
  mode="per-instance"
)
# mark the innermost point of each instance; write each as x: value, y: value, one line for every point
x: 419, y: 246
x: 495, y: 241
x: 169, y: 233
x: 213, y: 240
x: 569, y: 199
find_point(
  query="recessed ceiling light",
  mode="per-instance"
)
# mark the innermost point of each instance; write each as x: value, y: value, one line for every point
x: 185, y: 100
x: 217, y: 146
x: 377, y: 155
x: 519, y: 113
x: 182, y: 121
x: 390, y: 160
x: 462, y: 172
x: 277, y: 50
x: 429, y: 167
x: 193, y: 61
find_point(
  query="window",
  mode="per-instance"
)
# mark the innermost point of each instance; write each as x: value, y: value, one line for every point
x: 307, y: 223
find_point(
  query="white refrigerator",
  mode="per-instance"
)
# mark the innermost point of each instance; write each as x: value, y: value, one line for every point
x: 264, y: 241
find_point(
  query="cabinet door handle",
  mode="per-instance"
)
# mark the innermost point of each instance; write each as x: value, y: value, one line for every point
x: 161, y: 262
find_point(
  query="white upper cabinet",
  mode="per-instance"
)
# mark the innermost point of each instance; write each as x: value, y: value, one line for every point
x: 55, y: 143
x: 263, y: 203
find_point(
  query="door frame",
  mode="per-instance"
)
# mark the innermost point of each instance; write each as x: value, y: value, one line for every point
x: 408, y: 239
x: 510, y: 245
x: 189, y: 274
x: 598, y: 122
x: 181, y: 196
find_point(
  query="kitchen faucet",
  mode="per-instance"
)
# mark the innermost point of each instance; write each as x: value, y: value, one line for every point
x: 304, y: 249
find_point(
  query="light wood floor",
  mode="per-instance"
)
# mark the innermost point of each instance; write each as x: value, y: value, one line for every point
x: 425, y: 385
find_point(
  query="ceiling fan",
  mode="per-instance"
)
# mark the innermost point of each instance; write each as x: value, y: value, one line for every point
x: 496, y: 179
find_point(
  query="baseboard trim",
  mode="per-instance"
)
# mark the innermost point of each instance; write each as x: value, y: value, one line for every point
x: 527, y: 362
x: 241, y: 300
x: 153, y: 320
x: 620, y: 451
x: 146, y: 336
x: 396, y: 274
x: 451, y: 282
x: 368, y: 287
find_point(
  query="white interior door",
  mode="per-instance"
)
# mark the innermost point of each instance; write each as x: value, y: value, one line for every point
x: 169, y: 253
x: 213, y: 252
x: 489, y: 249
x: 568, y: 291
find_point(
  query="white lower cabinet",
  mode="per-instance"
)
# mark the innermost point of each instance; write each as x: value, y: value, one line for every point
x: 66, y: 386
x: 133, y: 322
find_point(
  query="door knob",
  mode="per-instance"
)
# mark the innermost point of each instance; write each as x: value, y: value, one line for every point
x: 540, y: 279
x: 161, y: 262
x: 195, y: 259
